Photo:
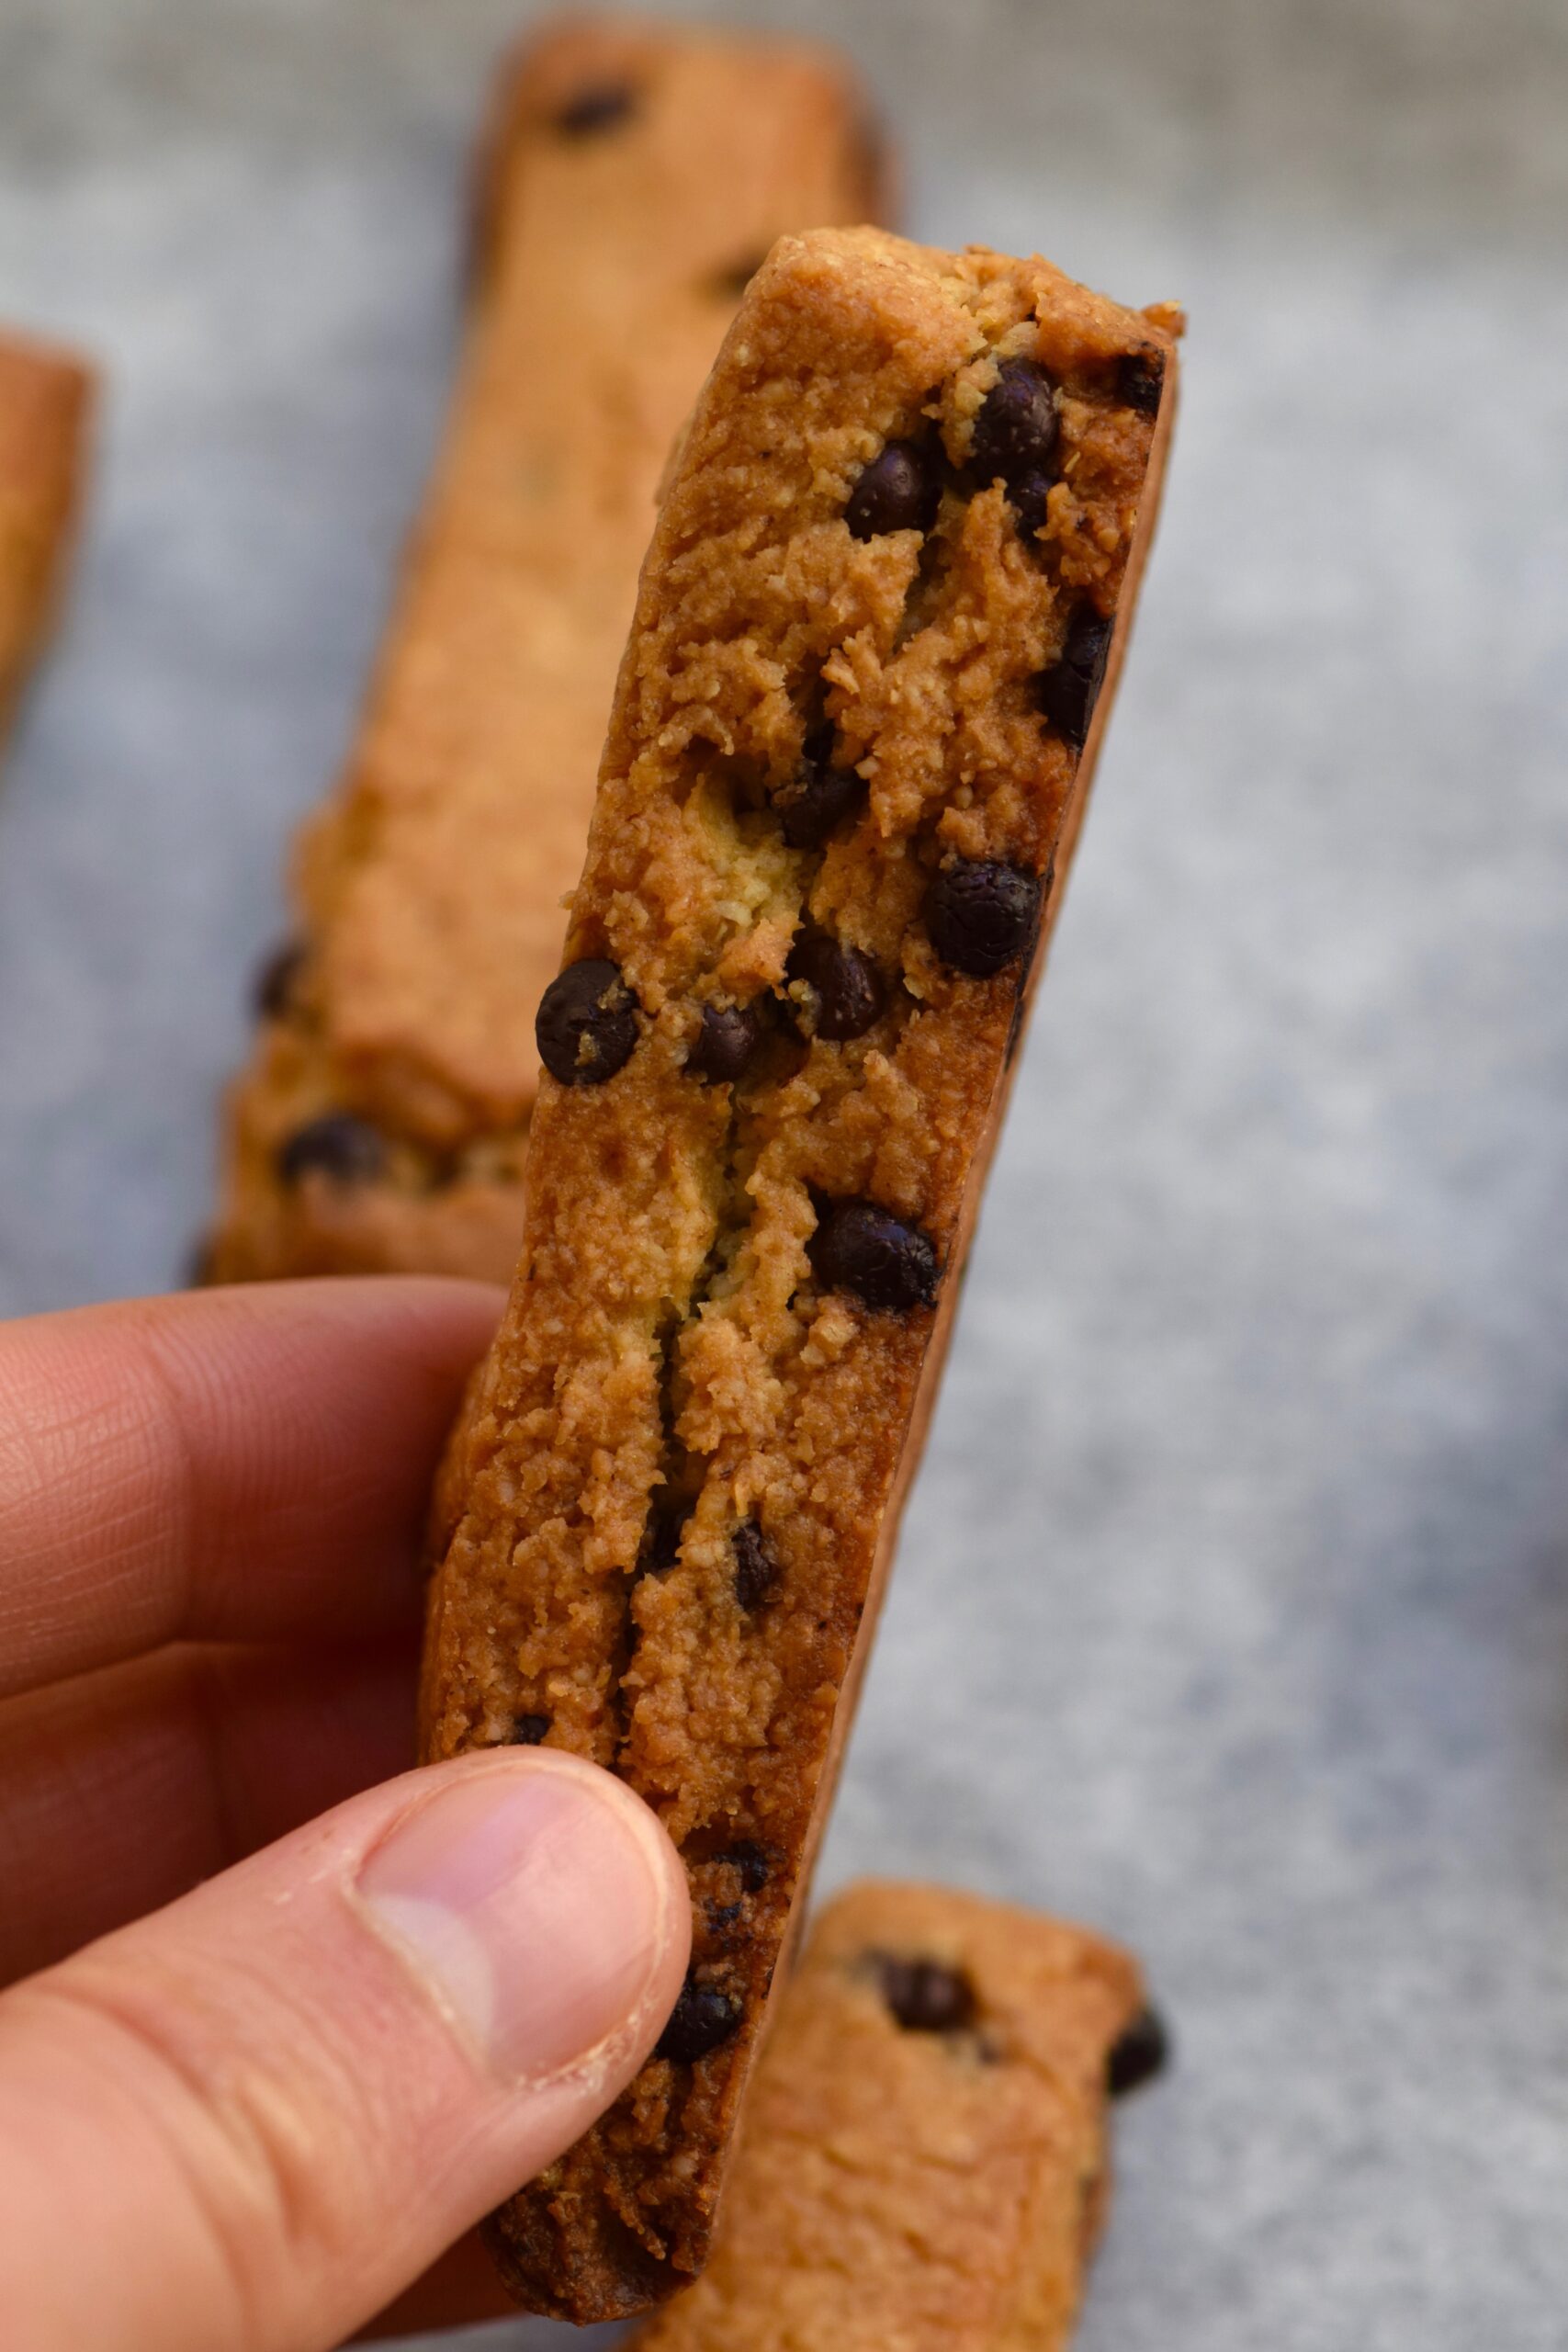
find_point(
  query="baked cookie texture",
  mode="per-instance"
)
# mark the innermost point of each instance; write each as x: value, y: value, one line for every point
x: 46, y: 402
x: 632, y: 179
x: 922, y: 2165
x: 870, y: 665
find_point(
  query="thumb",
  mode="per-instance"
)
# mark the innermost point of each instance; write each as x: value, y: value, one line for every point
x: 244, y: 2124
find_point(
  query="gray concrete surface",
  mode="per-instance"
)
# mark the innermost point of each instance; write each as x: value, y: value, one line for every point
x: 1234, y: 1606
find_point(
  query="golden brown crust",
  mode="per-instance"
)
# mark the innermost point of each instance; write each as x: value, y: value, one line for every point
x: 608, y: 258
x: 46, y: 397
x: 666, y: 1521
x: 936, y: 2189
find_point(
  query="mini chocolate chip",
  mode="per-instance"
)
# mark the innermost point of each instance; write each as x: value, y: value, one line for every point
x: 725, y: 1042
x: 337, y: 1145
x: 982, y: 915
x: 701, y: 2017
x: 599, y: 107
x: 818, y: 796
x: 721, y: 1915
x: 925, y: 1995
x: 888, y: 1265
x: 1069, y: 689
x: 1140, y: 2054
x: 586, y: 1027
x: 749, y: 1860
x: 846, y: 984
x: 899, y: 491
x: 662, y: 1540
x: 1015, y: 432
x: 756, y: 1571
x: 1140, y: 379
x: 527, y: 1731
x: 274, y: 981
x: 1030, y: 496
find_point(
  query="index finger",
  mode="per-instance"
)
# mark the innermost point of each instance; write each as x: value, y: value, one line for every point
x: 234, y: 1465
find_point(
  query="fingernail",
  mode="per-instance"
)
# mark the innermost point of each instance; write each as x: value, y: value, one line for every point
x: 531, y: 1900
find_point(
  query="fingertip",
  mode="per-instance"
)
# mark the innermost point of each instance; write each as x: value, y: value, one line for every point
x: 277, y: 2101
x: 543, y: 1906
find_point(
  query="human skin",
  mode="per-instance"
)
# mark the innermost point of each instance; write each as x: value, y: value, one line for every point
x: 282, y: 2018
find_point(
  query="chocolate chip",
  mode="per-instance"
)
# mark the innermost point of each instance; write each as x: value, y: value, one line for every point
x: 587, y: 1023
x: 701, y: 2017
x: 662, y: 1540
x: 274, y: 981
x: 1030, y: 496
x: 845, y: 983
x: 899, y: 491
x: 527, y: 1731
x: 756, y: 1571
x: 982, y: 915
x: 337, y: 1145
x: 751, y: 1861
x: 1140, y: 380
x: 1069, y: 689
x: 819, y: 797
x: 888, y: 1265
x: 597, y: 108
x: 1015, y: 432
x: 725, y: 1044
x: 925, y: 1995
x: 1140, y: 2054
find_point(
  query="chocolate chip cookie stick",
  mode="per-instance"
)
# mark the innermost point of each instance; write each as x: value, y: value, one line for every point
x: 874, y: 639
x: 632, y: 179
x: 46, y: 399
x: 923, y: 2156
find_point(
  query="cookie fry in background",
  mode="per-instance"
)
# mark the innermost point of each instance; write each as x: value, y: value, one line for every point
x: 923, y: 2159
x: 632, y: 179
x: 45, y: 404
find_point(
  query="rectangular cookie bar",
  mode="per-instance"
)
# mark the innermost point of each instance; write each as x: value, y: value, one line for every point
x: 633, y: 178
x: 922, y: 2163
x: 887, y: 595
x: 45, y: 406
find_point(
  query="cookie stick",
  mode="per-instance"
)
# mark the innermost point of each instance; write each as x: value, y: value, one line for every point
x: 870, y: 667
x: 46, y: 397
x: 923, y: 2158
x: 632, y: 177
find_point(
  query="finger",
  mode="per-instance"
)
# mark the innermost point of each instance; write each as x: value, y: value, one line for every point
x: 246, y: 2124
x: 210, y: 1752
x: 236, y: 1464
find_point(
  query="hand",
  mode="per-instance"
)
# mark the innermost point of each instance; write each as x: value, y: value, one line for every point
x: 342, y: 2026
